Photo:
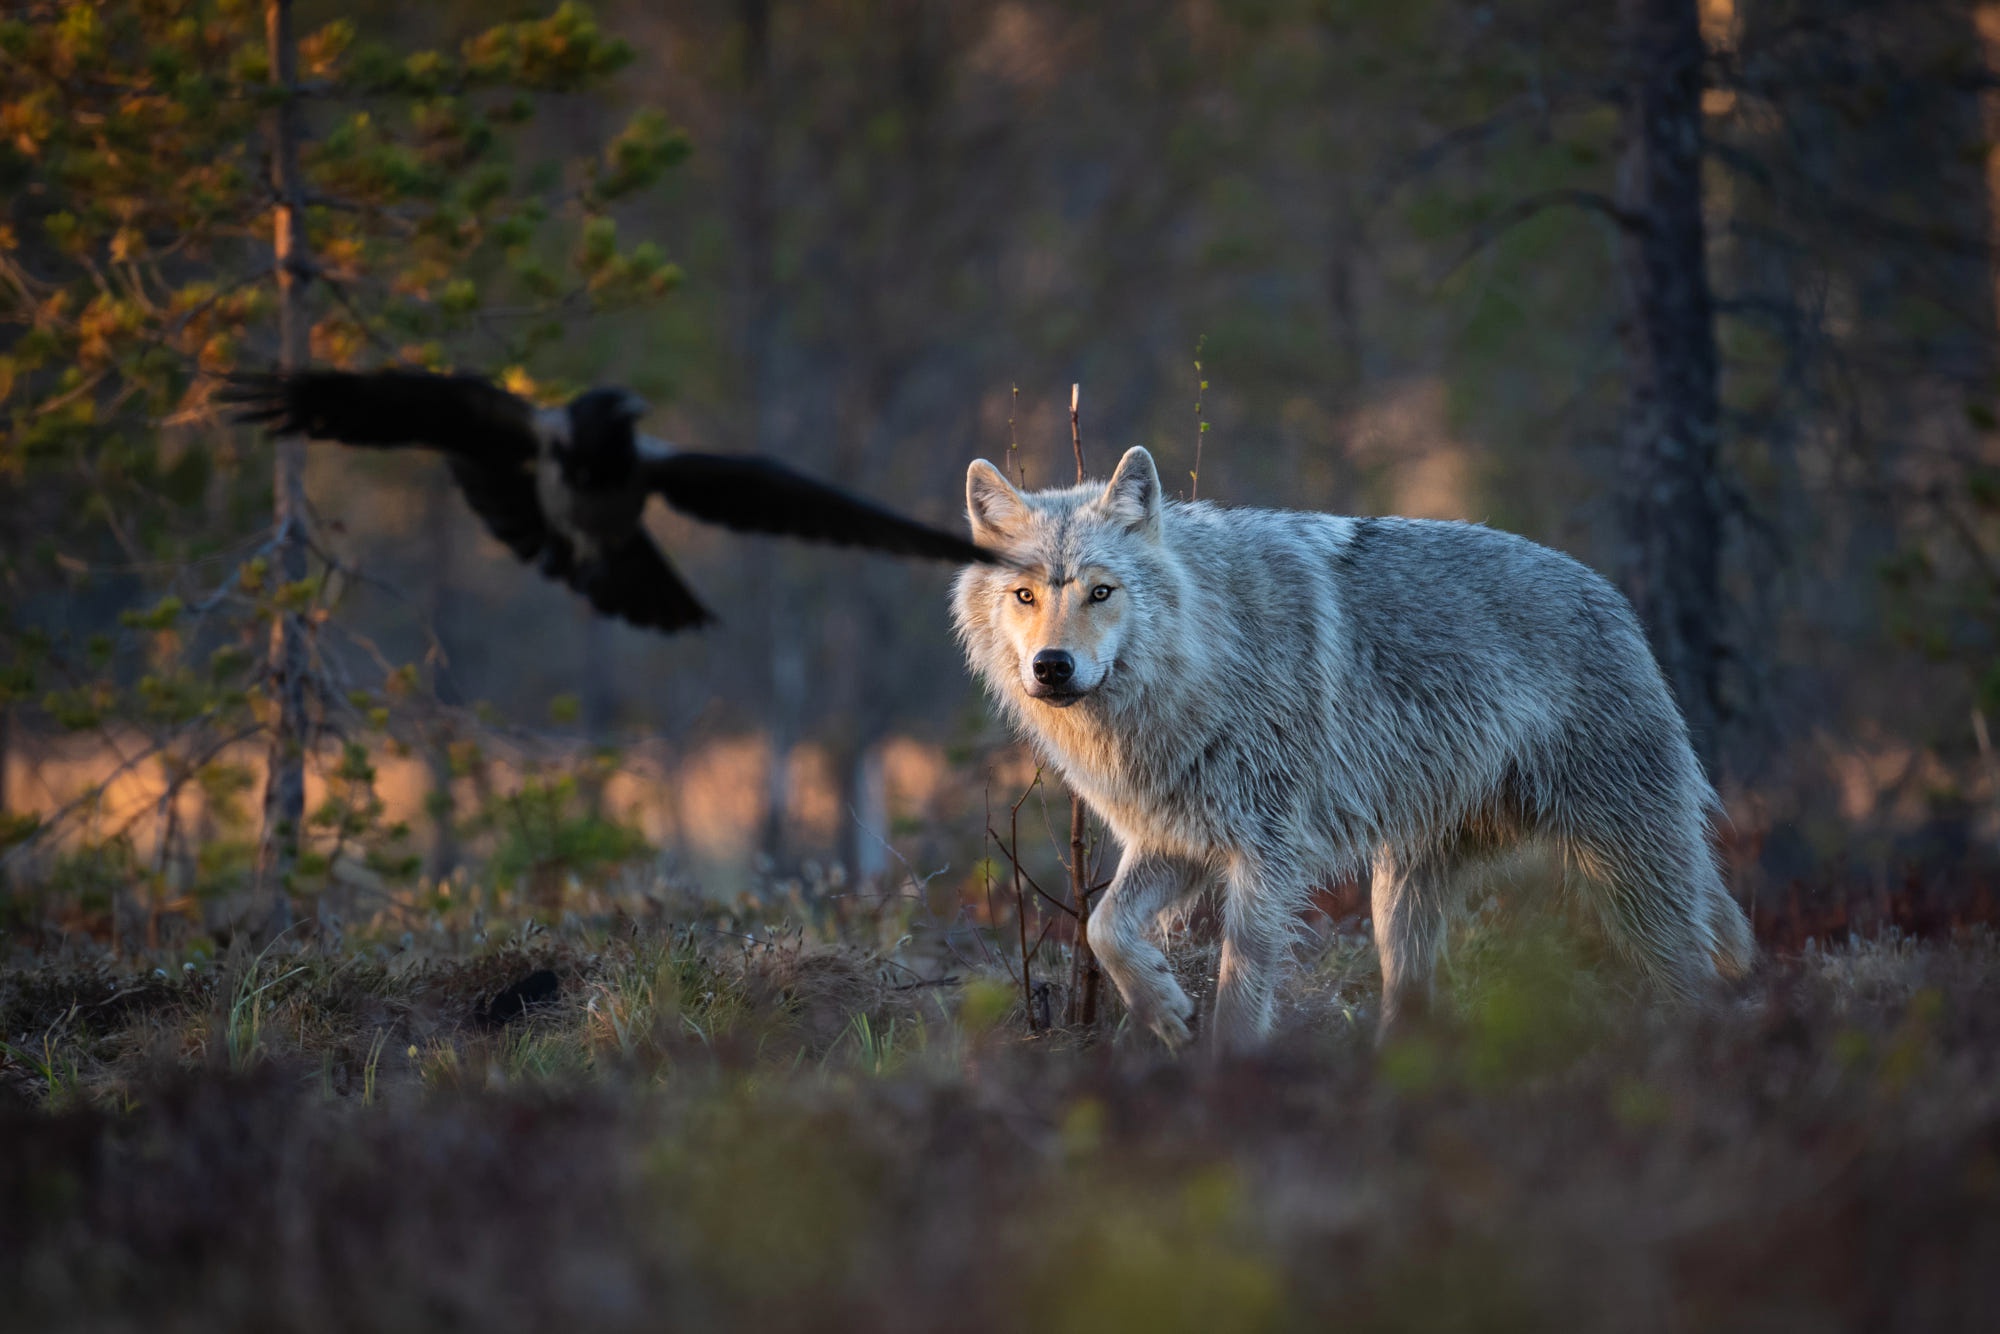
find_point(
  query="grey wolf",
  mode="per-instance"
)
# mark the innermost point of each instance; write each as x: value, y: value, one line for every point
x: 566, y: 487
x: 1269, y: 700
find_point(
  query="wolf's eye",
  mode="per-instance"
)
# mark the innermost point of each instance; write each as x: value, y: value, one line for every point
x: 1101, y: 592
x: 1026, y: 596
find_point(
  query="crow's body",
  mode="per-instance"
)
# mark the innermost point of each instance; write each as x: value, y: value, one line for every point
x: 566, y: 488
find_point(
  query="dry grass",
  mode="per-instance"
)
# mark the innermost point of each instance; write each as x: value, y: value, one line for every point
x: 702, y: 1131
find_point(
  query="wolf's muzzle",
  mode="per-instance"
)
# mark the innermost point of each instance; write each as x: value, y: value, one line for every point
x: 1055, y: 678
x: 1054, y: 668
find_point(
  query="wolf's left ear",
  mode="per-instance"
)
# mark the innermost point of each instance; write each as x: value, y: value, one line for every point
x: 1132, y: 496
x: 992, y: 504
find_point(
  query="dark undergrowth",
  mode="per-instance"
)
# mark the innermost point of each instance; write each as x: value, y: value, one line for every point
x: 683, y: 1129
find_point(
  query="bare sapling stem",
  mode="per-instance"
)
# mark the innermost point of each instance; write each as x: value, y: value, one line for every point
x: 986, y: 872
x: 1020, y: 466
x: 1021, y: 910
x: 1076, y: 432
x: 1200, y: 422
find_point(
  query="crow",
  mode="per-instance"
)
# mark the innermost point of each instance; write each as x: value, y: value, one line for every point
x: 564, y: 488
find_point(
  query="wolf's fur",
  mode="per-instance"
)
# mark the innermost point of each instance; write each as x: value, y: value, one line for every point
x: 1274, y: 700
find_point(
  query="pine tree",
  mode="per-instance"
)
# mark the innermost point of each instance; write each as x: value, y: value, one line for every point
x: 194, y: 188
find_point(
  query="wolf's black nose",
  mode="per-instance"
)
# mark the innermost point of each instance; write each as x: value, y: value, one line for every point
x: 1053, y: 667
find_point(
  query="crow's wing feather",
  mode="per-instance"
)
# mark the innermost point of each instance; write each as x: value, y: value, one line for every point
x: 486, y: 434
x: 760, y: 495
x: 633, y: 581
x: 504, y: 499
x: 465, y: 416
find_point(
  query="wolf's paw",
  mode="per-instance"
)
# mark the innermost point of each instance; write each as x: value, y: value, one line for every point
x: 1173, y: 1029
x: 1174, y: 1021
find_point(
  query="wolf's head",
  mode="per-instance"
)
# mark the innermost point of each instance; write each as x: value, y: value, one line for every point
x: 1050, y: 627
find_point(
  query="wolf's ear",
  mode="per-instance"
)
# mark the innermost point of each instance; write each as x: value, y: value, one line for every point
x: 995, y: 507
x: 1132, y: 496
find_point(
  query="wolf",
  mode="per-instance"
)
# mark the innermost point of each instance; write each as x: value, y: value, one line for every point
x: 1271, y: 700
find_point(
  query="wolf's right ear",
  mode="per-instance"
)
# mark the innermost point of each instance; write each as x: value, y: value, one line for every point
x: 994, y: 506
x: 1132, y: 496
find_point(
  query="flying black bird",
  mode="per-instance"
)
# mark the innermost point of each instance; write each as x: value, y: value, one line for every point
x: 565, y: 487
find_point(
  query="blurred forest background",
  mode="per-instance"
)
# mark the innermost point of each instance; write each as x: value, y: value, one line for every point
x: 879, y: 238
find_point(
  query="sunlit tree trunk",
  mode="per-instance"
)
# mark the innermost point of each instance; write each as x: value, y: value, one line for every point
x: 863, y: 839
x: 285, y: 779
x: 598, y: 679
x: 1986, y: 21
x: 757, y: 319
x: 1672, y: 510
x: 6, y: 751
x: 441, y: 858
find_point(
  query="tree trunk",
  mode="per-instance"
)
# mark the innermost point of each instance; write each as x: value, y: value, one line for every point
x: 1671, y: 512
x: 863, y: 840
x: 441, y: 858
x: 787, y: 683
x: 6, y: 753
x: 785, y: 667
x: 598, y: 705
x: 597, y: 711
x: 285, y: 777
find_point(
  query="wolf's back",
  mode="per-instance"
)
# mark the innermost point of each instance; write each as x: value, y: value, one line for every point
x: 1392, y: 678
x: 1439, y: 604
x: 1432, y: 614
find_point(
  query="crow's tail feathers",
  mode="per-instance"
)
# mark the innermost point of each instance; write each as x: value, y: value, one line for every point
x: 635, y: 583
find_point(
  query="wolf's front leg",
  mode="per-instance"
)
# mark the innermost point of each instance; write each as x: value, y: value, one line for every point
x: 1121, y: 934
x: 1254, y: 937
x: 1408, y: 899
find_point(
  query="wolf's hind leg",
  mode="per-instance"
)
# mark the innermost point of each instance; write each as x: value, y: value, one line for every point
x: 1255, y: 933
x: 1735, y: 946
x: 1121, y: 934
x: 1633, y: 824
x: 1655, y: 896
x: 1409, y: 899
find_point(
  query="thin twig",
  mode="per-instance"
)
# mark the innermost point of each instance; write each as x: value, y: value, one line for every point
x: 1021, y: 913
x: 1015, y: 862
x: 1075, y: 431
x: 1042, y: 939
x: 1200, y: 424
x: 986, y: 871
x: 1013, y: 441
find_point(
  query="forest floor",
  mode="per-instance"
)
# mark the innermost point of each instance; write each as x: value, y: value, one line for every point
x: 721, y: 1127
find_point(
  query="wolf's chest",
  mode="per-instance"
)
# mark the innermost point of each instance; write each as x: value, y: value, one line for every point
x: 1140, y: 787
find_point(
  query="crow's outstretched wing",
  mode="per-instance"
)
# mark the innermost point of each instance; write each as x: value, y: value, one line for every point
x: 465, y: 416
x: 486, y: 434
x: 759, y: 495
x: 634, y: 582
